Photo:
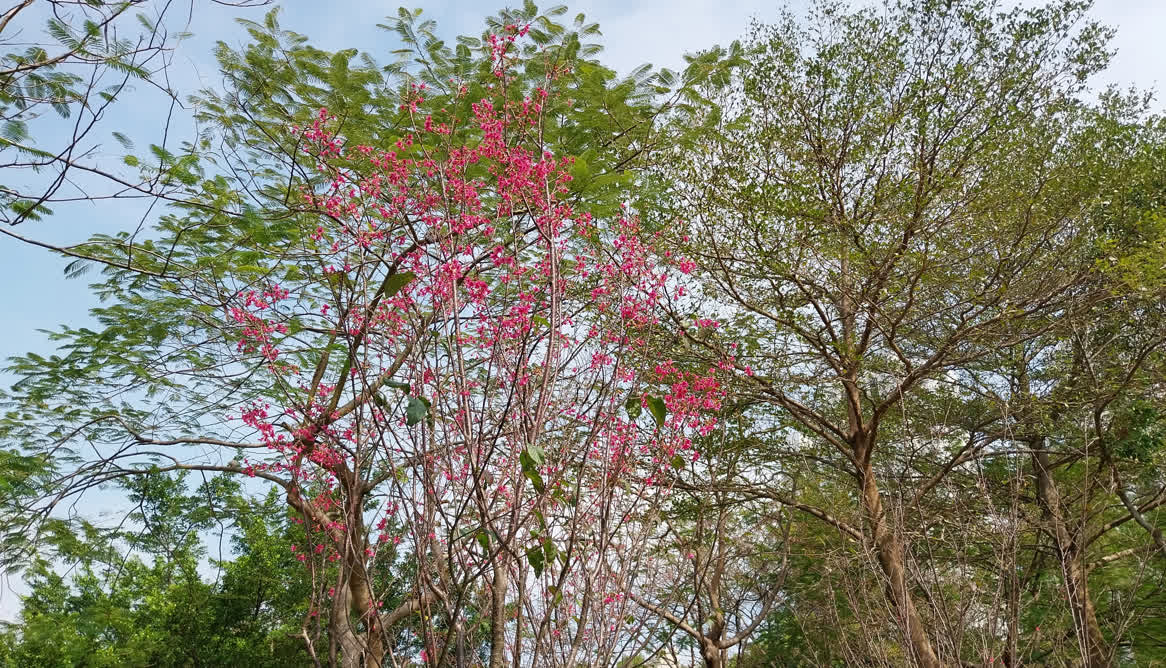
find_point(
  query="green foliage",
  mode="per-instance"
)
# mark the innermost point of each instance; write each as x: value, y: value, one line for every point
x: 117, y: 609
x: 658, y: 410
x: 1141, y: 430
x: 416, y: 411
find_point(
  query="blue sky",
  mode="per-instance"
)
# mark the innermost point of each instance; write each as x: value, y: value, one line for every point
x: 635, y: 31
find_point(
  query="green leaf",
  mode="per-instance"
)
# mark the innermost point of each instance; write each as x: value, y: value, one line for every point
x: 397, y: 384
x: 416, y: 411
x: 658, y: 408
x: 530, y: 470
x: 537, y: 559
x: 550, y: 551
x: 634, y: 407
x: 394, y: 283
x: 677, y: 462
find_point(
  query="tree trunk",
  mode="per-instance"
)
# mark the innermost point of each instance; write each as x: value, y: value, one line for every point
x: 498, y: 612
x: 890, y: 553
x: 711, y: 654
x: 351, y: 606
x: 1093, y: 648
x: 343, y: 632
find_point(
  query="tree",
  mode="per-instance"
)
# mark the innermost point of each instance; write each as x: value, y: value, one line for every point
x: 842, y: 347
x: 397, y: 298
x: 890, y: 197
x: 1079, y: 400
x: 117, y: 609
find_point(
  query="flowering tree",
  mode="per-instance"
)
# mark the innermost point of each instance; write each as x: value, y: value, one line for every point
x: 429, y: 353
x: 457, y: 276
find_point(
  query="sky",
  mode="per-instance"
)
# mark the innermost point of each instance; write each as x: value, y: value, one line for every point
x: 37, y: 296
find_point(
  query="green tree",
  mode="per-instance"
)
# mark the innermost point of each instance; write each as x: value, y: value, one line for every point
x: 117, y: 609
x: 890, y: 197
